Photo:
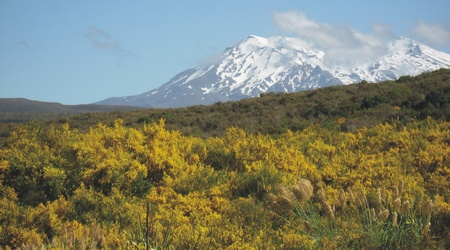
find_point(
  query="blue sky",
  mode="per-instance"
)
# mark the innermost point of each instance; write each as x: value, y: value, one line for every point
x: 85, y: 51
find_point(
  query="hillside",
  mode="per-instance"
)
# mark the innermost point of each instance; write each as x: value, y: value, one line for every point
x: 22, y: 105
x: 22, y: 110
x: 364, y: 104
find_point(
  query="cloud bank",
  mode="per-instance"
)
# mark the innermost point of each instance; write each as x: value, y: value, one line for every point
x: 433, y: 34
x: 342, y: 45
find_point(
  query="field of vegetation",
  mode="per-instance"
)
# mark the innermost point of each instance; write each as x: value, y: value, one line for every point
x: 365, y: 166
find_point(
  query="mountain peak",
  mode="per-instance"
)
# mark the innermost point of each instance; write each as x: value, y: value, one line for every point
x: 282, y: 64
x: 253, y: 42
x: 255, y: 37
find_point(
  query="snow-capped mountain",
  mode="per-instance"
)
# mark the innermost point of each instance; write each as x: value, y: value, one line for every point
x: 280, y: 64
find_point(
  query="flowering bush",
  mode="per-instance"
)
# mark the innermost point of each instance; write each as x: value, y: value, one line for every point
x: 380, y: 187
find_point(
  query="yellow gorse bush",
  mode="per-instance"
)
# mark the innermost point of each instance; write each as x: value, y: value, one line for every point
x: 317, y: 188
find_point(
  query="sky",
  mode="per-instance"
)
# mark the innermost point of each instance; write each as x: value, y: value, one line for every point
x: 77, y: 52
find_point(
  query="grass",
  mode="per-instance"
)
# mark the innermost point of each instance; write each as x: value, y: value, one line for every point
x: 348, y: 224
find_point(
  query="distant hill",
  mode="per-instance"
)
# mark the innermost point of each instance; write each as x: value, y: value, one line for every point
x: 363, y: 104
x: 20, y: 105
x: 22, y: 110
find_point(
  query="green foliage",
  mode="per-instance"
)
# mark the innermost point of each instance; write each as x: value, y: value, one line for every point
x: 41, y: 162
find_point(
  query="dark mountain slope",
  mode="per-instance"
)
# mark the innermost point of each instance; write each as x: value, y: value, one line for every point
x: 20, y: 105
x: 355, y: 105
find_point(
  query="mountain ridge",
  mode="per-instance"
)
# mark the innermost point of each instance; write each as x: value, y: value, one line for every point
x: 23, y: 105
x: 281, y: 64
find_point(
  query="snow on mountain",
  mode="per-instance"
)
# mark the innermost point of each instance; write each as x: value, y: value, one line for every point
x: 281, y: 64
x: 404, y: 57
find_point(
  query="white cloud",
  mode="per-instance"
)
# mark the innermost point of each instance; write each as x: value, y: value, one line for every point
x: 433, y: 34
x: 342, y: 45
